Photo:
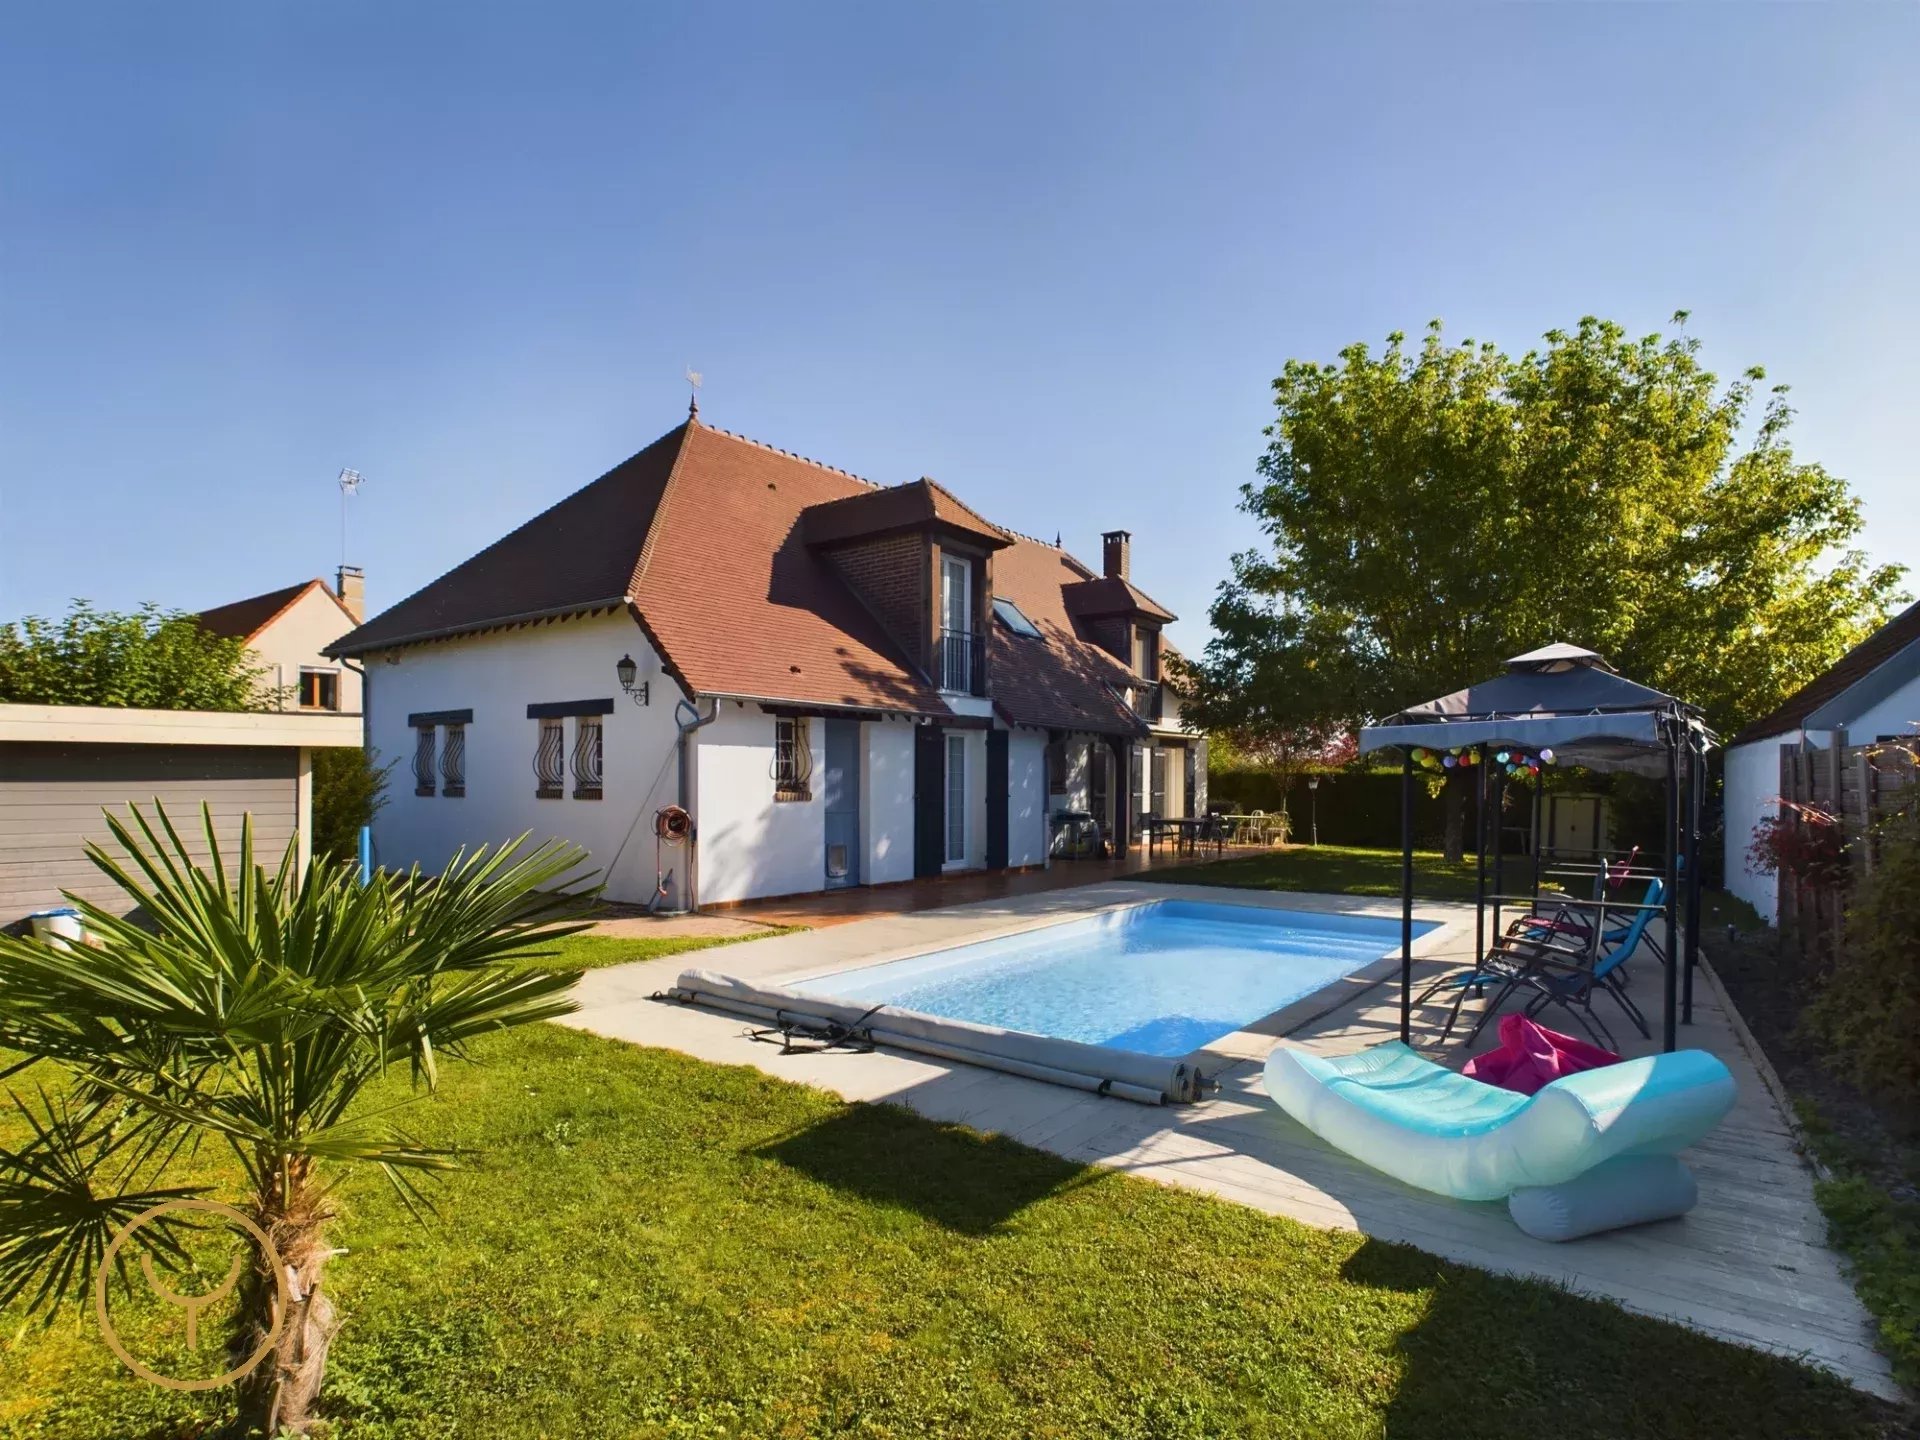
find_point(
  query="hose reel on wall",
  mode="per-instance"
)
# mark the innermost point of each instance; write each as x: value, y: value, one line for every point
x: 672, y: 826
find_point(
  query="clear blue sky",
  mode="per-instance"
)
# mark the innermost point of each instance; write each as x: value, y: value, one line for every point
x: 1051, y: 255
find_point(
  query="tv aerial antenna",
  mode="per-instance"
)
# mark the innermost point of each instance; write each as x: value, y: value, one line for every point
x: 350, y: 483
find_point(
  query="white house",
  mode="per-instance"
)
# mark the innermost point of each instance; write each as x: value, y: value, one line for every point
x: 842, y: 683
x: 1872, y: 693
x: 288, y: 631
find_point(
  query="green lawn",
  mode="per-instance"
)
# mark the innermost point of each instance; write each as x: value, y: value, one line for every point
x: 1342, y: 870
x: 591, y: 952
x: 653, y: 1246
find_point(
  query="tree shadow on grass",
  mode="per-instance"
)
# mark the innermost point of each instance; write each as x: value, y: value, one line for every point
x: 970, y: 1183
x: 1500, y: 1356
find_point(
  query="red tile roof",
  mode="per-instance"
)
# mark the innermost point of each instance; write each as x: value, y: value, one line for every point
x: 1061, y: 681
x: 922, y: 504
x: 244, y: 619
x: 705, y: 534
x: 1110, y: 595
x: 1886, y: 642
x: 738, y: 601
x: 577, y: 555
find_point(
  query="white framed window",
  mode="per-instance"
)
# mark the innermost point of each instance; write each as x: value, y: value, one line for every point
x: 956, y: 799
x: 792, y: 758
x: 319, y: 688
x: 956, y: 629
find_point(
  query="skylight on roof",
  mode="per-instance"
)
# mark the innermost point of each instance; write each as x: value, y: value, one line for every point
x: 1010, y: 616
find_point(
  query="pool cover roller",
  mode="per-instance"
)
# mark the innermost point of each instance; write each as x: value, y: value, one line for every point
x: 1424, y: 1124
x: 1106, y: 1070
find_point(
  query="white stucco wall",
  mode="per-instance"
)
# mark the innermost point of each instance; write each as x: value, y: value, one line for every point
x: 1898, y: 714
x: 752, y: 845
x: 294, y: 639
x: 1752, y: 784
x: 1027, y: 807
x: 497, y: 676
x: 886, y: 801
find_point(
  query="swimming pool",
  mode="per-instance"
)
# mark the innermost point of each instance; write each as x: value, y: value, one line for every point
x: 1163, y: 978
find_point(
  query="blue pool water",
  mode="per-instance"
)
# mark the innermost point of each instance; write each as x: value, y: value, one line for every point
x: 1162, y: 978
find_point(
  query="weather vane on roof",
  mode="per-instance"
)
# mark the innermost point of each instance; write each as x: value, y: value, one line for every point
x: 693, y: 401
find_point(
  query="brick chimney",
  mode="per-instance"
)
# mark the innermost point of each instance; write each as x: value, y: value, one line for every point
x: 1116, y: 551
x: 351, y: 587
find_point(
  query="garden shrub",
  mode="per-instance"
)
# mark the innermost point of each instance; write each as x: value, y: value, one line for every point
x: 1868, y: 1011
x: 348, y: 789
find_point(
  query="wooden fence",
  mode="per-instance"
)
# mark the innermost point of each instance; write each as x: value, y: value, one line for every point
x: 1859, y: 785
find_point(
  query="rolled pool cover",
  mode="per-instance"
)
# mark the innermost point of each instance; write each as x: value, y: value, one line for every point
x: 1148, y: 1079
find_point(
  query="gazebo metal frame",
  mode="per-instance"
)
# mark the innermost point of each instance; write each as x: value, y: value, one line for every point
x: 1567, y: 700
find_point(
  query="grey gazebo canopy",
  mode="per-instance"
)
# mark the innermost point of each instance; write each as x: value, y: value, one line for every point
x: 1569, y: 701
x: 1559, y: 698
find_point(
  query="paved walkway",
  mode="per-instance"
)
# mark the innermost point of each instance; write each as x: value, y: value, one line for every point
x: 1748, y: 1265
x: 838, y: 907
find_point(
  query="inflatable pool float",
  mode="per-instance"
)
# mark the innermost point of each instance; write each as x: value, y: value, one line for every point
x: 1424, y: 1124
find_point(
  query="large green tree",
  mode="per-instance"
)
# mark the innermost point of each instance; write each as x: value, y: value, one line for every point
x: 149, y: 658
x: 1432, y: 509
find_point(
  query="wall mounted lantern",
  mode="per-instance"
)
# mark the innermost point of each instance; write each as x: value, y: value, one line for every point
x: 629, y: 672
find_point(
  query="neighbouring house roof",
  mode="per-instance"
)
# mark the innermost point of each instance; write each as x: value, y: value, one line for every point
x: 244, y: 619
x: 1110, y: 595
x: 921, y: 505
x: 1887, y: 644
x: 707, y: 536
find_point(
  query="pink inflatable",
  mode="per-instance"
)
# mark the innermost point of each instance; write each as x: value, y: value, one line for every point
x: 1531, y: 1056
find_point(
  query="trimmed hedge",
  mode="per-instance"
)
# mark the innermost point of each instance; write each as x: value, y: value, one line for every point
x: 1362, y: 808
x: 1356, y: 807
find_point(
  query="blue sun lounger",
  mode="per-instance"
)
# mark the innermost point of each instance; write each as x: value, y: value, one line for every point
x: 1424, y: 1124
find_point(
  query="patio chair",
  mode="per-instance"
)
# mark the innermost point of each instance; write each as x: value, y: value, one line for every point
x: 1250, y: 829
x: 1570, y: 976
x: 1570, y: 922
x: 1154, y: 828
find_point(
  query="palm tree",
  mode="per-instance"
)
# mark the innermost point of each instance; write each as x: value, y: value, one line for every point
x: 252, y: 1008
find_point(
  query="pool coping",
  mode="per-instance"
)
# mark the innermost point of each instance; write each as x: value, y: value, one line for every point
x: 1250, y: 1042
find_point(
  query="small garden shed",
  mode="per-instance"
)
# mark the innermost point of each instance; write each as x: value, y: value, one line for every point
x: 62, y: 765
